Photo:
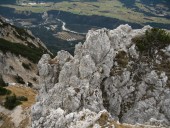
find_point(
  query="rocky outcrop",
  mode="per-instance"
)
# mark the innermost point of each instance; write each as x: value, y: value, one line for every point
x: 107, y: 75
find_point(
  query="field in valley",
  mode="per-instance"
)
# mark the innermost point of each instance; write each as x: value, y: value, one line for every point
x: 137, y: 13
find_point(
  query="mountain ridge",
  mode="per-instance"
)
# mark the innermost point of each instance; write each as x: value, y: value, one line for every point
x: 107, y: 78
x: 19, y: 46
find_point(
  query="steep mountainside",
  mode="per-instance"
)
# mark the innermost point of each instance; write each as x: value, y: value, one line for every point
x: 120, y: 74
x: 19, y: 54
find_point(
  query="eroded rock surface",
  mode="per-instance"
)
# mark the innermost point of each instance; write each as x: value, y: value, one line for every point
x: 107, y: 74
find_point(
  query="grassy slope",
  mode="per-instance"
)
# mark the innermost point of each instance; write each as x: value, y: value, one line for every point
x: 113, y: 9
x: 19, y: 91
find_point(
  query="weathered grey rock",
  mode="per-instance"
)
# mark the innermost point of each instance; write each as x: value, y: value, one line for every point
x: 107, y: 72
x: 87, y: 67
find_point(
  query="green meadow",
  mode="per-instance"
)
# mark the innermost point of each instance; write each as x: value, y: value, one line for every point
x: 107, y: 8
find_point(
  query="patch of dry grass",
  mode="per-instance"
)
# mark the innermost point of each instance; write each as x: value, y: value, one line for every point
x: 24, y: 91
x: 19, y: 91
x: 6, y: 121
x: 24, y: 123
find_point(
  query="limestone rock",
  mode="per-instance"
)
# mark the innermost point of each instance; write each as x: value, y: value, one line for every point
x: 106, y: 75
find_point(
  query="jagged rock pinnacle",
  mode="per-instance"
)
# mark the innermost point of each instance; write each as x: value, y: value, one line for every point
x: 107, y: 77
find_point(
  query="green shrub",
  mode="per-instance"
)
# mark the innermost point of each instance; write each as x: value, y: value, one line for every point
x: 152, y: 39
x: 122, y: 58
x: 4, y: 91
x: 30, y: 84
x: 26, y: 66
x: 2, y: 82
x: 23, y: 32
x: 11, y: 102
x: 34, y: 79
x: 19, y: 79
x: 32, y: 53
x: 22, y: 98
x: 11, y: 67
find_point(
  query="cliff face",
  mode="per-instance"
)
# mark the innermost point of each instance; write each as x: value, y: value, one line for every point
x: 108, y: 78
x: 19, y: 53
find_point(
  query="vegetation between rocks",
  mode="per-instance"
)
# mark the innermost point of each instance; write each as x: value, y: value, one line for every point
x: 26, y: 66
x: 2, y: 82
x: 19, y: 79
x: 23, y: 32
x: 122, y: 58
x: 30, y: 84
x: 4, y: 91
x: 12, y: 101
x: 153, y: 39
x: 32, y: 53
x: 22, y: 98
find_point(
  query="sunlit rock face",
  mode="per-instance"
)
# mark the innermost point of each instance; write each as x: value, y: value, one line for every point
x: 107, y: 74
